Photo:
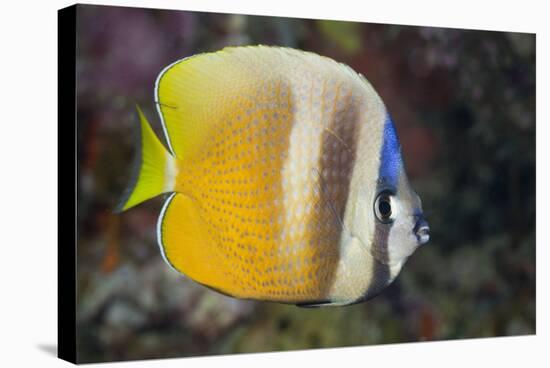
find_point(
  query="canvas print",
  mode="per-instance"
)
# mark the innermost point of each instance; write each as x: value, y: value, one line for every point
x: 257, y: 183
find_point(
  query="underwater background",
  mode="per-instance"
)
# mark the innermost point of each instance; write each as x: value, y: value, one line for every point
x: 463, y: 103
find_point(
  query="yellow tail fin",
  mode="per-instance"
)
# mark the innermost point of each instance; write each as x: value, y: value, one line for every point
x: 154, y: 169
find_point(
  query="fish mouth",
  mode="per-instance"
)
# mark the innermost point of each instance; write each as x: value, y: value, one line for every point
x: 422, y: 231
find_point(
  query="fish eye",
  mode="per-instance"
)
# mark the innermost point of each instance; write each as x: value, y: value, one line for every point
x: 383, y: 207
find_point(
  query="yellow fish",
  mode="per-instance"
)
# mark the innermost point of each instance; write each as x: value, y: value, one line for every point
x: 284, y: 175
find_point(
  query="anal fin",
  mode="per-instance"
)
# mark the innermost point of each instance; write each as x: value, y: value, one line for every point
x: 185, y: 241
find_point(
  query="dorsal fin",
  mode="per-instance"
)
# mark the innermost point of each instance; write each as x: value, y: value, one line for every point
x: 195, y: 94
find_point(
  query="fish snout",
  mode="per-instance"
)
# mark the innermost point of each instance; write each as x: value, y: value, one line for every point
x: 422, y: 231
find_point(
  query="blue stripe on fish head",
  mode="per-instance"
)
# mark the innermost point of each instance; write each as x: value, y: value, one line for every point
x: 388, y: 178
x: 390, y: 155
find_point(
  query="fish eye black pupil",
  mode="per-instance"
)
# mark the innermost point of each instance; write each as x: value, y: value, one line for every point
x: 384, y: 207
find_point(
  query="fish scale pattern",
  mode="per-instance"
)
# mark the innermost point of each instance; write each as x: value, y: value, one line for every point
x: 270, y: 183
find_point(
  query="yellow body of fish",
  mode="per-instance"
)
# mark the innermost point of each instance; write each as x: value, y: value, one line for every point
x: 269, y: 148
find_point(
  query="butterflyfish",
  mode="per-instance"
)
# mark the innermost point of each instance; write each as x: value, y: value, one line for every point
x: 284, y: 178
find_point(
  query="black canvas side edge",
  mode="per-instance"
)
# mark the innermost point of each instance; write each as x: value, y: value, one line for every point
x: 66, y: 187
